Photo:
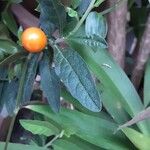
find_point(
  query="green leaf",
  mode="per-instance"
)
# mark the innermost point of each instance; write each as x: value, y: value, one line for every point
x: 52, y: 16
x: 9, y: 21
x: 113, y: 105
x: 92, y: 42
x: 147, y: 85
x: 74, y: 73
x: 14, y: 146
x: 9, y: 95
x: 112, y: 77
x: 4, y: 33
x: 95, y: 25
x: 19, y: 33
x: 95, y: 130
x: 11, y: 72
x: 68, y: 97
x: 141, y: 141
x: 71, y: 12
x: 30, y: 78
x: 7, y: 47
x: 66, y: 145
x: 82, y: 143
x: 70, y: 25
x: 13, y: 58
x: 50, y: 83
x: 39, y: 127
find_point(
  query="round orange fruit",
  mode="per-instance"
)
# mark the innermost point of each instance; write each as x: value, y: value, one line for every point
x: 33, y: 39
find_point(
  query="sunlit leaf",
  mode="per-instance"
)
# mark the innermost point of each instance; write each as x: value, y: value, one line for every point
x: 14, y: 146
x: 39, y: 127
x: 141, y: 141
x: 112, y: 77
x: 95, y: 130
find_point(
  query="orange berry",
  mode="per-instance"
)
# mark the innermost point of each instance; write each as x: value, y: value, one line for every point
x: 33, y: 39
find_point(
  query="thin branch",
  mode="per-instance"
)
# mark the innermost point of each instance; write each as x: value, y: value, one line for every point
x: 54, y: 139
x: 142, y: 57
x: 83, y: 18
x: 18, y: 99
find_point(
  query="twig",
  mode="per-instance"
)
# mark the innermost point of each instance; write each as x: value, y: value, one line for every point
x: 10, y: 130
x: 54, y: 139
x: 142, y: 57
x: 83, y: 18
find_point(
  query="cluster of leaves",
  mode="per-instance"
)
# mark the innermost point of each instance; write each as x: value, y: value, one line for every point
x: 76, y: 48
x: 76, y: 78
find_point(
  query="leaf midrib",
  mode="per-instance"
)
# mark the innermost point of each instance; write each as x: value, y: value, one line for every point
x: 89, y: 95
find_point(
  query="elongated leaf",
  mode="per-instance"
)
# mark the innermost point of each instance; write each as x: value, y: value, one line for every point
x: 4, y: 33
x: 50, y: 83
x: 74, y: 73
x: 68, y: 97
x: 141, y: 141
x: 65, y: 145
x: 113, y: 104
x: 39, y: 127
x: 92, y: 129
x: 13, y: 58
x: 9, y: 95
x: 113, y: 78
x: 92, y: 42
x: 7, y: 47
x: 30, y: 78
x: 14, y: 146
x: 82, y: 143
x: 147, y: 85
x: 9, y: 21
x: 52, y: 15
x: 95, y: 25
